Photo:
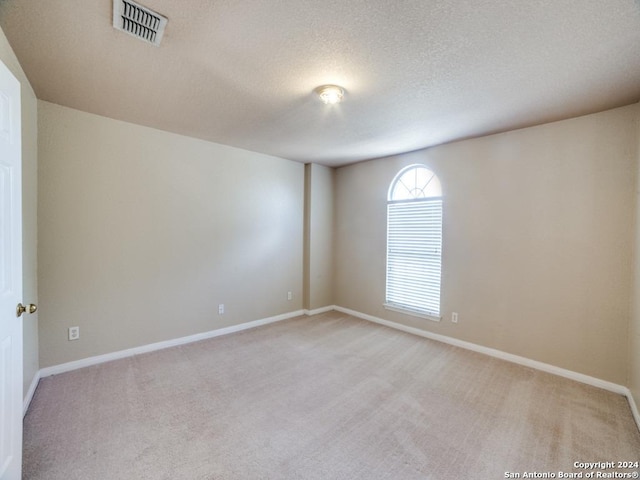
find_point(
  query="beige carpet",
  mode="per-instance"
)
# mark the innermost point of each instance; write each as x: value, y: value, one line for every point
x: 323, y: 397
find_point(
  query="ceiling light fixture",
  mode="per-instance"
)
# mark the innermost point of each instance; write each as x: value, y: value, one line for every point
x: 330, y: 94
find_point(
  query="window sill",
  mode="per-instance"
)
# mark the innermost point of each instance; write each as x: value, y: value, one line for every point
x: 413, y: 313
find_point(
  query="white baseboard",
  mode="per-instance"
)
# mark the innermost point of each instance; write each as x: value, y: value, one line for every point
x: 545, y: 367
x: 30, y: 393
x: 527, y: 362
x: 86, y: 362
x: 634, y: 407
x: 318, y: 311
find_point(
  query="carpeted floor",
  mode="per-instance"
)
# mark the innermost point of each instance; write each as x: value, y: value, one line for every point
x: 324, y: 397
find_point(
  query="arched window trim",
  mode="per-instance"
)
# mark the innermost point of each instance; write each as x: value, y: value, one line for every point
x: 429, y: 182
x: 415, y: 246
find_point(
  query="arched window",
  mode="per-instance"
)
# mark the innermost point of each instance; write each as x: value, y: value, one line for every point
x: 414, y: 242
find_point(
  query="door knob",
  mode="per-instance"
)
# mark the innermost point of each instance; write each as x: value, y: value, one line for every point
x: 20, y: 309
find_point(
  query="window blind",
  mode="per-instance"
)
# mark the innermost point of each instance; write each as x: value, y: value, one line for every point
x: 414, y: 244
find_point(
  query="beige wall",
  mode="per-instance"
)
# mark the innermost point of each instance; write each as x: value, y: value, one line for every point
x: 634, y: 337
x: 142, y: 233
x: 538, y: 232
x: 538, y: 229
x: 29, y: 213
x: 318, y: 254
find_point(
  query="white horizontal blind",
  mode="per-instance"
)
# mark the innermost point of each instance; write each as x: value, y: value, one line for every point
x: 414, y: 244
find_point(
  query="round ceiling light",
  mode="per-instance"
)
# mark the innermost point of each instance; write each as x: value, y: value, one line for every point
x: 330, y: 94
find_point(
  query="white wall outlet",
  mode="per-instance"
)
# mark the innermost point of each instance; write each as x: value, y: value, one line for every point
x: 74, y: 333
x: 221, y: 309
x: 289, y: 295
x: 454, y: 317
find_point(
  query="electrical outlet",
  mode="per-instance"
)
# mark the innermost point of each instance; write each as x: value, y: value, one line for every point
x: 74, y: 333
x: 454, y: 317
x: 221, y: 309
x: 289, y: 295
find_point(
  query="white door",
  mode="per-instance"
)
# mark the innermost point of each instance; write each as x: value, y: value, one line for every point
x: 10, y: 277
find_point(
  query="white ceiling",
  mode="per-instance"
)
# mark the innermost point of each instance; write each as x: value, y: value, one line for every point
x: 417, y: 72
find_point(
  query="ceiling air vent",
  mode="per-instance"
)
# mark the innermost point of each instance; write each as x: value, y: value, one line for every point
x: 139, y: 21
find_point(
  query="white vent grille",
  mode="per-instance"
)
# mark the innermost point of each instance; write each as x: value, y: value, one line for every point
x: 139, y: 21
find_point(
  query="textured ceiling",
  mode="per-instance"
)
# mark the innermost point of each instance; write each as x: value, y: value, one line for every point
x: 417, y: 72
